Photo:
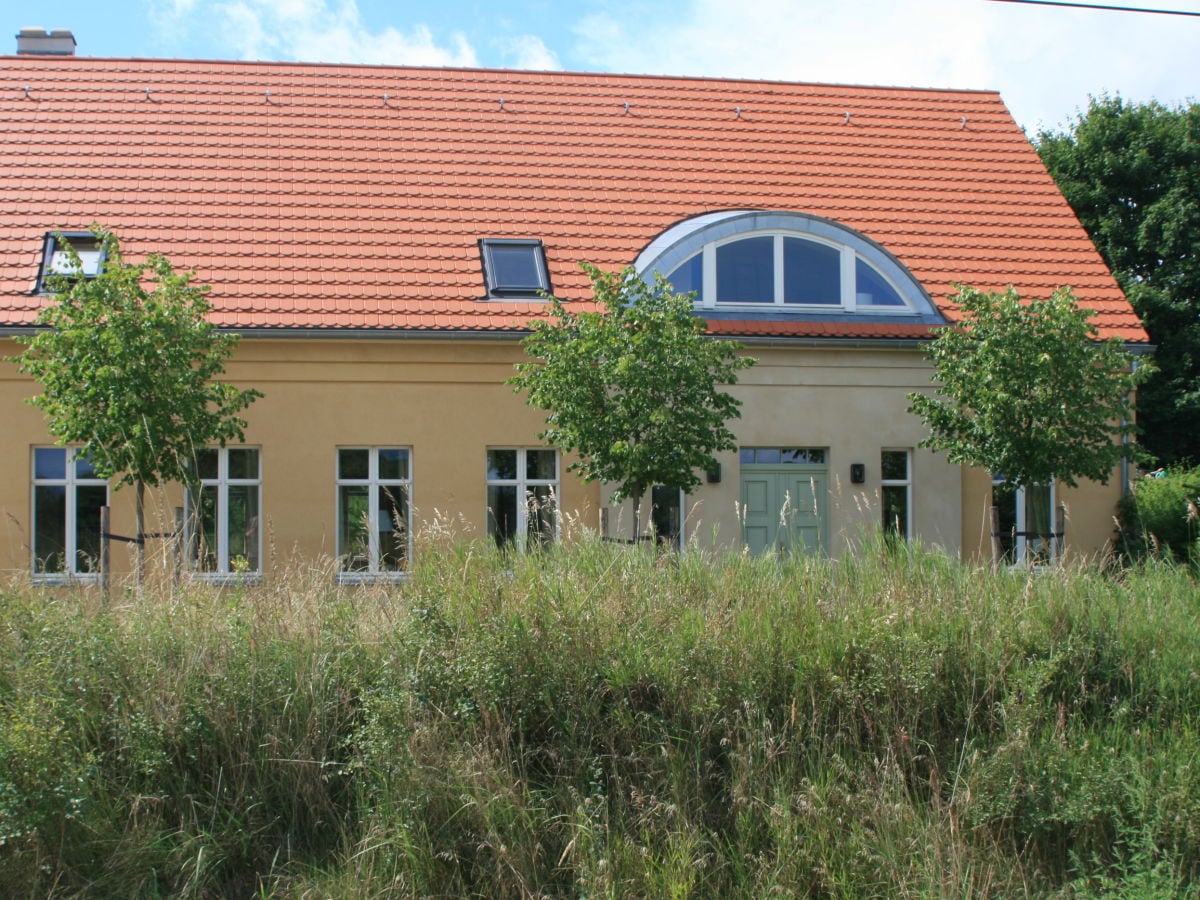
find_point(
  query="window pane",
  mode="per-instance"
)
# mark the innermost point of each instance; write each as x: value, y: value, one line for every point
x: 354, y: 463
x: 893, y: 465
x: 746, y: 271
x: 802, y: 456
x: 539, y: 465
x: 812, y: 272
x: 502, y: 513
x: 769, y: 455
x: 84, y: 468
x: 50, y: 462
x: 393, y: 528
x: 88, y: 501
x: 502, y: 465
x: 665, y: 514
x: 539, y: 504
x: 689, y: 276
x: 206, y: 463
x: 746, y: 455
x: 516, y: 267
x: 393, y: 464
x: 354, y: 543
x: 895, y: 510
x: 204, y: 523
x: 243, y: 463
x: 243, y: 528
x: 50, y: 528
x: 872, y: 288
x: 1004, y: 496
x: 88, y: 250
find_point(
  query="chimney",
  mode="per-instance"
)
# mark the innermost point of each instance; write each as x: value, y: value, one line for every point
x: 39, y: 42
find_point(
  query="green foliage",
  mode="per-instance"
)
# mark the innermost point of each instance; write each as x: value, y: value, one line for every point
x: 1025, y: 389
x: 1160, y: 517
x: 601, y: 721
x: 632, y: 387
x: 127, y: 362
x: 1131, y: 172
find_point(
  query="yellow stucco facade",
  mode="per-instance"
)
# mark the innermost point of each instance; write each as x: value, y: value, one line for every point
x: 446, y: 401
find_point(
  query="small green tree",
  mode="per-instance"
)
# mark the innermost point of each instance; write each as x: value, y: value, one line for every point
x: 1024, y: 388
x: 633, y: 386
x: 127, y: 361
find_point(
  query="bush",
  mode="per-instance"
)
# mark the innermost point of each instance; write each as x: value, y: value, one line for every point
x: 1158, y: 518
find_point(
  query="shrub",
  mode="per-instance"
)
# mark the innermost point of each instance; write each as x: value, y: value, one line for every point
x: 1158, y: 518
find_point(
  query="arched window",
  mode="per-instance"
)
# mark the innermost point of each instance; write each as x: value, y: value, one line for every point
x: 783, y: 262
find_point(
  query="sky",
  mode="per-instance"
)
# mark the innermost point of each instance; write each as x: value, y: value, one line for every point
x: 1046, y: 61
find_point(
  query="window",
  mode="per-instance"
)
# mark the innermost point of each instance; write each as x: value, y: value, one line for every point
x: 514, y: 267
x: 666, y: 515
x: 1028, y: 522
x: 772, y: 263
x: 522, y: 494
x: 67, y: 498
x: 373, y: 509
x: 785, y: 271
x: 224, y: 534
x: 56, y: 256
x: 895, y: 492
x: 782, y: 456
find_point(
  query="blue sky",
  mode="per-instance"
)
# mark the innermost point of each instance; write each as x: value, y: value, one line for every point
x: 1045, y: 61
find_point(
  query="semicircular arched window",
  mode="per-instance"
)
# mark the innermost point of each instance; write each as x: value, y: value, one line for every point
x: 786, y: 262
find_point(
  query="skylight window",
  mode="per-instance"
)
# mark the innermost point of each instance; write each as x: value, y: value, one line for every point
x: 57, y: 258
x: 514, y: 267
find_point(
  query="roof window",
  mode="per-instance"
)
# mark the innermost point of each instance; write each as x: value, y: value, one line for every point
x: 514, y: 267
x: 57, y: 258
x: 765, y: 264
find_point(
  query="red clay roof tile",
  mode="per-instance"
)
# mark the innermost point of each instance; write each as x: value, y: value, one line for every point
x: 308, y: 200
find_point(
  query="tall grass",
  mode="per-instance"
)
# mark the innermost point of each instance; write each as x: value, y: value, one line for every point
x: 609, y: 721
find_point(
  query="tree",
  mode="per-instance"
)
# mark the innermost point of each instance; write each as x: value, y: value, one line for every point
x: 1025, y: 389
x: 127, y: 361
x: 1131, y: 172
x: 632, y: 386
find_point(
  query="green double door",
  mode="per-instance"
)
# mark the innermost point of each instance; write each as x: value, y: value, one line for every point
x: 783, y: 508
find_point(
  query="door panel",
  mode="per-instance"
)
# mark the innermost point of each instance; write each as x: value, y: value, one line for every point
x: 783, y: 508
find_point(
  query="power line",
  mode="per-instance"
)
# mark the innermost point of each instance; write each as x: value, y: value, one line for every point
x: 1137, y: 9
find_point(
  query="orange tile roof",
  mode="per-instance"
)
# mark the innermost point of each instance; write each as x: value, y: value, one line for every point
x: 352, y: 197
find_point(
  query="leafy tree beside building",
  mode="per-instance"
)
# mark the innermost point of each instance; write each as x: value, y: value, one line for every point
x: 129, y: 364
x: 1131, y: 172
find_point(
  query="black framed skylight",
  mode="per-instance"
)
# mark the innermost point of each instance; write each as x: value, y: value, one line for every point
x: 514, y: 267
x: 57, y: 259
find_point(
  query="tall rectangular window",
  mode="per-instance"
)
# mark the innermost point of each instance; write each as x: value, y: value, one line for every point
x: 373, y: 511
x: 895, y: 492
x: 67, y: 497
x: 223, y: 513
x: 522, y: 496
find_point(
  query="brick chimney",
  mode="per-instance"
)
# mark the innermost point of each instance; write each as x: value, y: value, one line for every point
x: 39, y: 42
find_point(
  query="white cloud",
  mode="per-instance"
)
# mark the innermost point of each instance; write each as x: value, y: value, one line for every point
x: 529, y: 52
x: 1045, y: 61
x: 318, y: 31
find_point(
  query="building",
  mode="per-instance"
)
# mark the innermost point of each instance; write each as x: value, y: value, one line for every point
x: 379, y: 236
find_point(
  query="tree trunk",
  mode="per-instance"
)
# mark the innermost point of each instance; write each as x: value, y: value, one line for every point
x: 997, y: 549
x: 139, y: 552
x: 637, y: 513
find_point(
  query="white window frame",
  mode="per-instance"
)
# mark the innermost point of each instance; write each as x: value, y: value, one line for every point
x: 373, y: 482
x: 848, y: 280
x: 906, y: 483
x: 54, y: 256
x: 523, y: 485
x: 225, y: 570
x: 69, y: 482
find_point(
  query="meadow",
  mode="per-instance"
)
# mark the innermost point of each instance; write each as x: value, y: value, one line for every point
x: 607, y: 721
